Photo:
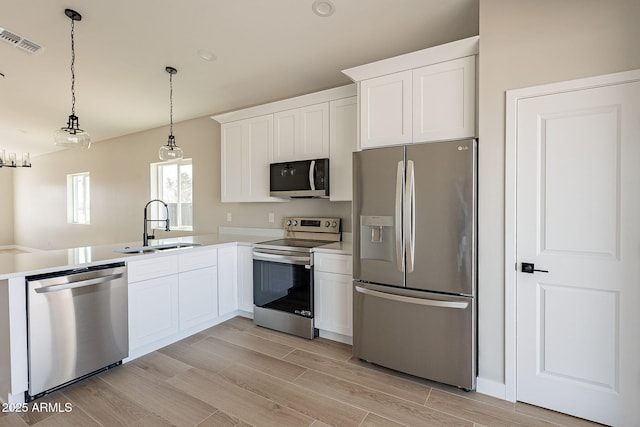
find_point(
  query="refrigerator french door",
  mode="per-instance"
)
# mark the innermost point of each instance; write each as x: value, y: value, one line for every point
x: 415, y: 261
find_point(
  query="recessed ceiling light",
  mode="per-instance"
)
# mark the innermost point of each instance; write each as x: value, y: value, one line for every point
x: 323, y: 8
x: 206, y: 55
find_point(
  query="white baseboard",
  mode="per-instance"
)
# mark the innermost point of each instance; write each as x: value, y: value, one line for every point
x: 335, y: 337
x: 491, y: 388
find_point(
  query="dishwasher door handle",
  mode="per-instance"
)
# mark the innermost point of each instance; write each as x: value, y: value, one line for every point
x: 410, y: 300
x: 79, y: 284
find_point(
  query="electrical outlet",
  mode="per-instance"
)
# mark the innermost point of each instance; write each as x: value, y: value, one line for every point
x: 229, y: 217
x: 272, y: 217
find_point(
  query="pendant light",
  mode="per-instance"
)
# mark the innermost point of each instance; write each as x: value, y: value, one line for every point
x: 72, y: 135
x: 170, y: 151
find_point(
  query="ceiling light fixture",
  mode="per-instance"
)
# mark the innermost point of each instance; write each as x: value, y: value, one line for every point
x: 206, y: 55
x: 170, y: 151
x: 323, y: 8
x: 71, y: 135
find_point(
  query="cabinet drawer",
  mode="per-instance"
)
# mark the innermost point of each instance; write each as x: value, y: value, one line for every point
x: 151, y: 268
x: 198, y: 259
x: 333, y: 263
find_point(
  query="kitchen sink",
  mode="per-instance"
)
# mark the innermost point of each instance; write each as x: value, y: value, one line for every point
x: 155, y: 248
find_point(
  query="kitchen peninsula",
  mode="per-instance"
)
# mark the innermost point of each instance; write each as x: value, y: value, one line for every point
x: 173, y: 293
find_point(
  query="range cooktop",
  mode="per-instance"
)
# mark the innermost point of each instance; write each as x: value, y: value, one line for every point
x: 303, y: 234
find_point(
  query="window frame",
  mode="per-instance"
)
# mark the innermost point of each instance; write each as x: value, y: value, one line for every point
x: 79, y: 198
x: 156, y: 189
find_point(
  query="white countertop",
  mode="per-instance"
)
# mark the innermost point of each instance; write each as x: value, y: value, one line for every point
x: 24, y: 264
x: 343, y: 248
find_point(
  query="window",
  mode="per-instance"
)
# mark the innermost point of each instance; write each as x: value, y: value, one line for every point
x: 171, y: 182
x: 78, y: 198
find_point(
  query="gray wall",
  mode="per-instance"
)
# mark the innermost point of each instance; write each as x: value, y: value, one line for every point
x: 6, y: 204
x: 522, y: 44
x: 120, y: 178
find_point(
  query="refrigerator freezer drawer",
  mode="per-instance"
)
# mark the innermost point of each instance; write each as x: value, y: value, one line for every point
x: 423, y: 334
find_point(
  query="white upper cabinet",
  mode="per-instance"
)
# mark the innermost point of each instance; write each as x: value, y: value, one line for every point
x: 423, y: 96
x: 292, y: 129
x: 342, y: 143
x: 385, y: 110
x: 444, y: 100
x: 246, y: 147
x: 301, y: 133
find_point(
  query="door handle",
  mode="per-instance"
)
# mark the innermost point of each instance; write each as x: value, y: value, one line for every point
x: 528, y: 267
x: 411, y: 300
x: 312, y: 175
x: 79, y: 284
x: 398, y: 215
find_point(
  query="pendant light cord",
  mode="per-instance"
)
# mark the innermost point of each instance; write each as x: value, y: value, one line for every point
x: 170, y: 104
x: 73, y: 71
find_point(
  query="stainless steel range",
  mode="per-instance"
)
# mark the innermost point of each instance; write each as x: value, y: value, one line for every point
x: 283, y: 275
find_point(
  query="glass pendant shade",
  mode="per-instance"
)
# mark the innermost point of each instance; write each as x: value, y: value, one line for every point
x: 170, y: 151
x: 72, y: 136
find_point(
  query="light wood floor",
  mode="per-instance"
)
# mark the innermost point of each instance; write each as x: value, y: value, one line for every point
x: 236, y: 374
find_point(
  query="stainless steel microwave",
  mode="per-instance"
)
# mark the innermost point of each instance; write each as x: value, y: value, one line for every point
x: 305, y: 178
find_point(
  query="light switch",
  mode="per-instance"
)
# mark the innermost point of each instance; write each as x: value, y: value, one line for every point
x: 272, y: 217
x: 228, y: 216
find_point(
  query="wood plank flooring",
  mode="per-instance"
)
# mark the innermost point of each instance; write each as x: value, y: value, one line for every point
x: 237, y: 374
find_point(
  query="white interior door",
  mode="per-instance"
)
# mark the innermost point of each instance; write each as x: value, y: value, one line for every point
x: 578, y: 218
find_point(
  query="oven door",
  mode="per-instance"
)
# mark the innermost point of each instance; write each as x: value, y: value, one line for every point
x: 283, y: 281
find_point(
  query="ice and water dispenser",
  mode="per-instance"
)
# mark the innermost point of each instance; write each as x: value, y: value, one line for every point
x: 377, y: 239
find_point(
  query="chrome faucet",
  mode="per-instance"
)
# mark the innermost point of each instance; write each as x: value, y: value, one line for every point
x: 145, y: 234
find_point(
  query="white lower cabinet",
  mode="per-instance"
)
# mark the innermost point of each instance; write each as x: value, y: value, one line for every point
x: 198, y: 285
x: 245, y: 278
x: 333, y: 295
x: 227, y: 279
x: 170, y: 296
x: 153, y: 301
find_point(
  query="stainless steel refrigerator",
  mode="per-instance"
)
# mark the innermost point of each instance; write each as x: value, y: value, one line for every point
x: 414, y: 255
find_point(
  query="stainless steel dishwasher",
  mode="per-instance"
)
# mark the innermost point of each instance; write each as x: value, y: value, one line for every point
x: 77, y: 324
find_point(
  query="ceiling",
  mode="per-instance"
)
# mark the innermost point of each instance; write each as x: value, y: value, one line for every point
x: 265, y: 51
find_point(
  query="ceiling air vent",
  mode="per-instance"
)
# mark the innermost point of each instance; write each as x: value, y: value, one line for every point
x: 19, y: 41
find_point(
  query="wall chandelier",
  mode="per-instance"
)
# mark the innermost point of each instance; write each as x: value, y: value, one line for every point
x: 11, y: 161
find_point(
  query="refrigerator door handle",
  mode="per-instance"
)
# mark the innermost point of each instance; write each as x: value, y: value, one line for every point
x: 312, y: 175
x: 398, y: 224
x: 410, y: 216
x: 410, y: 300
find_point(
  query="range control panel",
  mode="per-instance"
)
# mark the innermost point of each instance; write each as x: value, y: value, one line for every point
x: 315, y: 225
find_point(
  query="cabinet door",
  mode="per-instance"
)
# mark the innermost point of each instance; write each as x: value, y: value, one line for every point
x: 342, y: 143
x: 385, y: 110
x: 246, y: 147
x: 234, y: 165
x: 245, y: 278
x: 153, y: 310
x: 227, y: 280
x: 314, y: 132
x: 301, y: 133
x: 285, y: 132
x: 198, y: 296
x: 333, y: 303
x: 197, y: 259
x: 444, y: 100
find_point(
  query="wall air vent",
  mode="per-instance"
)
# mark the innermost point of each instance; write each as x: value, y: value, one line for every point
x: 19, y: 41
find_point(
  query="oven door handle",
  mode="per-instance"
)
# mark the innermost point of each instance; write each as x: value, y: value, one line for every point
x: 286, y: 259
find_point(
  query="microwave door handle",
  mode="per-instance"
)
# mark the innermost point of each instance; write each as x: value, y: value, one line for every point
x: 312, y: 175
